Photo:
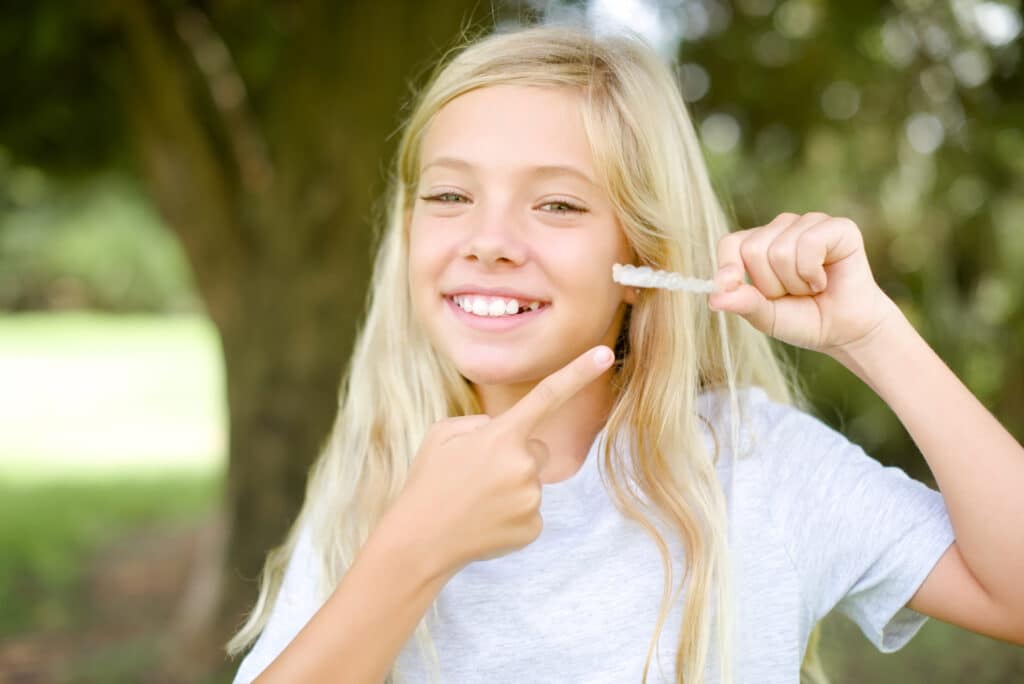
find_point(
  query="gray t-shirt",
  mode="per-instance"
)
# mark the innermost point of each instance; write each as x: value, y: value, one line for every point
x: 815, y: 522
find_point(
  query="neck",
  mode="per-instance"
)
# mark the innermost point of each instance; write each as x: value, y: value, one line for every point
x: 568, y: 431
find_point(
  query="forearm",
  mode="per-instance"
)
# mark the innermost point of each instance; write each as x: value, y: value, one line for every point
x: 359, y: 631
x: 977, y: 464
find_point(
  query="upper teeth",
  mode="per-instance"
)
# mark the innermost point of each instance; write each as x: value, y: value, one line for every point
x: 491, y: 306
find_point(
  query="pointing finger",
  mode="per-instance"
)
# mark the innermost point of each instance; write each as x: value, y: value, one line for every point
x: 445, y: 429
x: 555, y: 389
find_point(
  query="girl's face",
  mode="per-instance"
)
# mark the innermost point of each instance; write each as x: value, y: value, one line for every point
x: 508, y: 216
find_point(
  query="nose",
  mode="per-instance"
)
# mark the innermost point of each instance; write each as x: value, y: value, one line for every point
x: 496, y: 237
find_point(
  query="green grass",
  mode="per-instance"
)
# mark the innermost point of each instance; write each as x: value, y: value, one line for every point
x: 50, y: 530
x: 107, y: 423
x: 96, y: 394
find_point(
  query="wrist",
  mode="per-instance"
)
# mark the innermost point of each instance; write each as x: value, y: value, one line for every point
x: 882, y: 354
x: 407, y: 537
x: 878, y: 337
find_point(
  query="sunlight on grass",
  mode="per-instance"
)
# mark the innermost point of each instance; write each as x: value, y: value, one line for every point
x: 85, y: 393
x: 107, y: 423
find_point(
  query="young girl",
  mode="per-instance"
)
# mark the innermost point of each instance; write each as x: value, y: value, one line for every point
x: 540, y: 475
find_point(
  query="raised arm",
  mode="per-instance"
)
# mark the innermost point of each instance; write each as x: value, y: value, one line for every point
x: 811, y: 286
x: 979, y: 468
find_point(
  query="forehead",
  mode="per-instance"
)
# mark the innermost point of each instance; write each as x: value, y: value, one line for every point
x: 508, y: 128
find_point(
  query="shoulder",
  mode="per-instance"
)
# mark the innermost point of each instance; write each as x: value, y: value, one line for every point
x: 765, y: 427
x: 294, y: 604
x: 301, y: 591
x: 817, y: 483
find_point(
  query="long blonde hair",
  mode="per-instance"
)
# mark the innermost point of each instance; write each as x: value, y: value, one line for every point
x: 672, y: 346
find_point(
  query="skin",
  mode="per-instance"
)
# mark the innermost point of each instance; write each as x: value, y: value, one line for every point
x: 497, y: 222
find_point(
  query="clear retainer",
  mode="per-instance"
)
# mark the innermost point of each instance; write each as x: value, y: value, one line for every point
x: 645, y: 276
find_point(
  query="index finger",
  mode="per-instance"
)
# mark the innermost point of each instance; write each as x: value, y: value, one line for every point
x: 555, y: 389
x: 730, y: 262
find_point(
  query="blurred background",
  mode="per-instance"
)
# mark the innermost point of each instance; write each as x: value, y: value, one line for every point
x: 187, y: 191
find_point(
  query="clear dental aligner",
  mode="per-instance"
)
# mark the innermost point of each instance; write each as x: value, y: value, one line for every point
x: 645, y: 276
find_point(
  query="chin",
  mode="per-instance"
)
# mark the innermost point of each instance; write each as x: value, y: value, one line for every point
x: 496, y: 370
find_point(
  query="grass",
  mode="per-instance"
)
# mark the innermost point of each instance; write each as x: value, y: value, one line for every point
x: 50, y: 530
x: 107, y: 423
x: 92, y: 395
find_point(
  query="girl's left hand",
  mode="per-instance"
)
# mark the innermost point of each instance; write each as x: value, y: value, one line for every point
x: 811, y: 285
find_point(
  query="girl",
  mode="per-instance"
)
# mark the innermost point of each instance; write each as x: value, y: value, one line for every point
x: 539, y: 475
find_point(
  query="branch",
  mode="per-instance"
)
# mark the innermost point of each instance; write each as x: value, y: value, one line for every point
x: 191, y: 174
x: 228, y: 93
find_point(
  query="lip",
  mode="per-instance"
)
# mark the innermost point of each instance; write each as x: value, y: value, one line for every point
x: 493, y: 323
x: 471, y: 289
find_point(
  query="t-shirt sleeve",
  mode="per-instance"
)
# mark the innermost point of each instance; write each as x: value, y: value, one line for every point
x: 295, y: 604
x: 862, y: 536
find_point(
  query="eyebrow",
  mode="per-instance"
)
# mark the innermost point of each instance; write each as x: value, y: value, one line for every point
x: 540, y: 170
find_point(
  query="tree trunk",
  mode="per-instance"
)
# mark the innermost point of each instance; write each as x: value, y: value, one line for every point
x: 264, y: 141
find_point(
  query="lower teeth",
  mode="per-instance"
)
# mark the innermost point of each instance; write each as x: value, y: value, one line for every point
x: 504, y: 315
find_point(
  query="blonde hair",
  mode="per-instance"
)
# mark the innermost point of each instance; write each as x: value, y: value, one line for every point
x: 672, y: 345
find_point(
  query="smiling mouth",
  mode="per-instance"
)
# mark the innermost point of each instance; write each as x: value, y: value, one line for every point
x: 495, y: 307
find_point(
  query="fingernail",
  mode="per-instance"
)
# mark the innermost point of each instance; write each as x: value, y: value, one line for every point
x: 603, y: 356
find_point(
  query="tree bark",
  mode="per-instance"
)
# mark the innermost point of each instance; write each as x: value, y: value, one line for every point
x: 268, y: 175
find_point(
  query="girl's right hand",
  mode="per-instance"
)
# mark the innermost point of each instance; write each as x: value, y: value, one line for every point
x: 474, y: 489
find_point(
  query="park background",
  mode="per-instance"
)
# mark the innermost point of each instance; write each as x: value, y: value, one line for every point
x: 187, y: 194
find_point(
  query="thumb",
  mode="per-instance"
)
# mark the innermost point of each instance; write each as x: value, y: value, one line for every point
x: 748, y: 302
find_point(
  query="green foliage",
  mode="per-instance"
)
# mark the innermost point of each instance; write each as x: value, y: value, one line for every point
x: 59, y: 102
x: 940, y: 652
x: 96, y: 244
x: 903, y: 116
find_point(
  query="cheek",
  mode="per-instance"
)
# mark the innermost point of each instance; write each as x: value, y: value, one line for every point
x: 586, y: 271
x: 423, y: 258
x: 428, y: 258
x: 419, y: 274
